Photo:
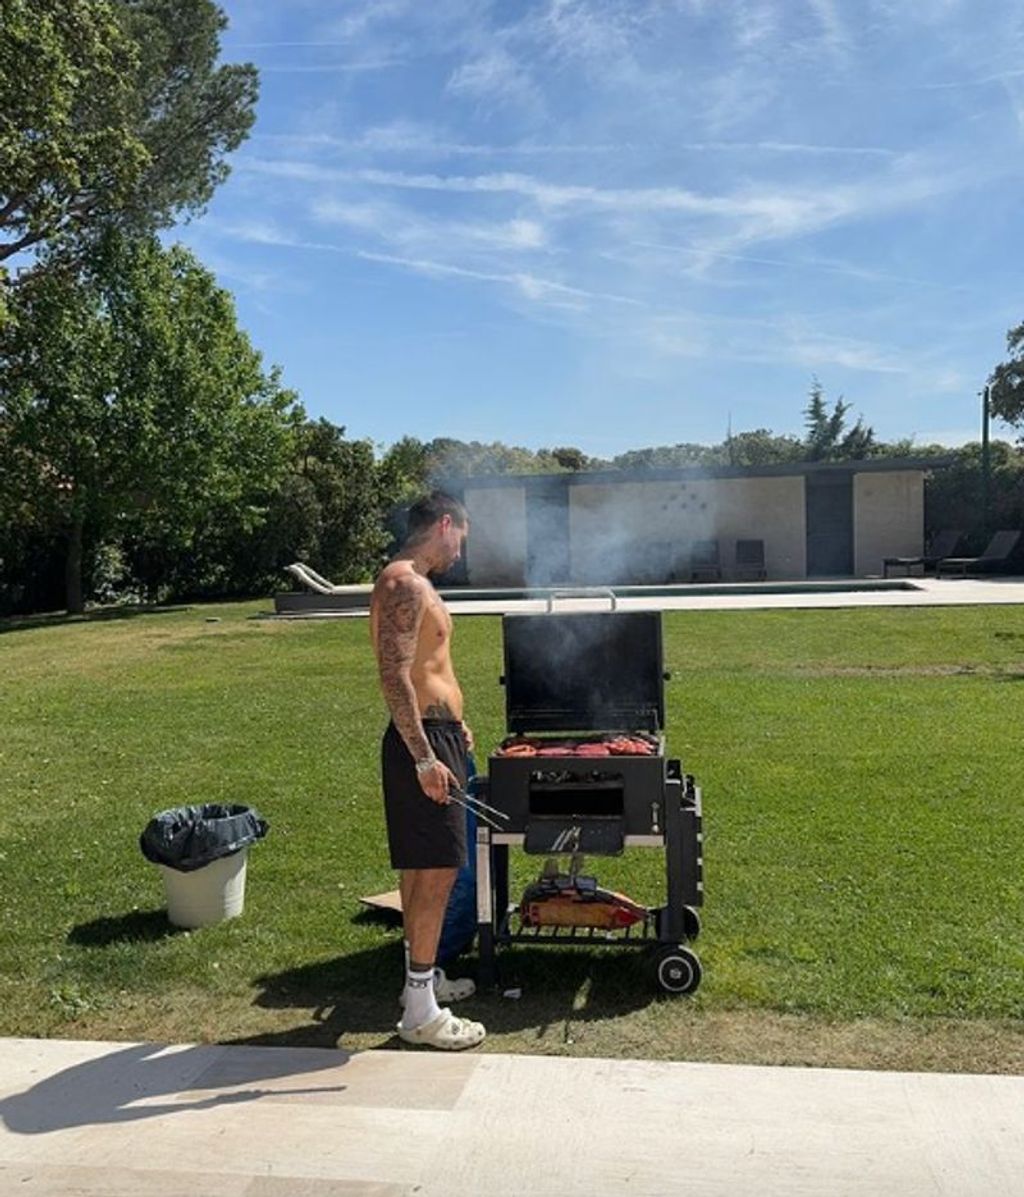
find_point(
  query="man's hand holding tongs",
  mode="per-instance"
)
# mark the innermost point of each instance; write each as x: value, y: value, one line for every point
x: 486, y: 814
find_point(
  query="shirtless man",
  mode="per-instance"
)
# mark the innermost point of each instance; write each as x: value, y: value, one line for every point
x: 423, y: 757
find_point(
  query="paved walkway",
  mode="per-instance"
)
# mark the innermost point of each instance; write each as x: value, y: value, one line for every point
x: 130, y: 1120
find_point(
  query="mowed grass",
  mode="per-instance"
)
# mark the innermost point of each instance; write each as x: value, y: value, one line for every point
x: 861, y: 776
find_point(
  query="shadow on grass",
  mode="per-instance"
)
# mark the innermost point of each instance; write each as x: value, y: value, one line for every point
x: 358, y: 994
x: 374, y: 917
x: 27, y: 623
x: 138, y: 926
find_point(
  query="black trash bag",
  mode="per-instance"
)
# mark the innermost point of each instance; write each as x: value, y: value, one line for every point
x: 189, y: 837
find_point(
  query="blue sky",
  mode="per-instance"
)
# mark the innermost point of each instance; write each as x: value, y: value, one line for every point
x: 618, y: 223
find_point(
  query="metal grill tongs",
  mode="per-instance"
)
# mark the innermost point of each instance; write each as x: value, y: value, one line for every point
x: 485, y: 813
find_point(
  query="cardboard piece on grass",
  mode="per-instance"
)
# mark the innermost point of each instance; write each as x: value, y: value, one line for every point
x: 389, y: 903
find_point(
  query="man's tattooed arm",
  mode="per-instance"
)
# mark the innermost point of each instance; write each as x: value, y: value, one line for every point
x: 402, y: 605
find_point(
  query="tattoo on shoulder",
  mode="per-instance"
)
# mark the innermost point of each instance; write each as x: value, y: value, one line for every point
x: 401, y: 605
x: 438, y: 710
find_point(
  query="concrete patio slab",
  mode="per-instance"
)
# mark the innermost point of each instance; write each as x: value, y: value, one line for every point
x: 141, y: 1120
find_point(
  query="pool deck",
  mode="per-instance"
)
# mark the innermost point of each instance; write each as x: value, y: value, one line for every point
x: 897, y: 592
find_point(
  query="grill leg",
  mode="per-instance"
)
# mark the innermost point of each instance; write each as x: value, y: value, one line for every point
x: 692, y: 839
x: 485, y: 905
x: 499, y: 857
x: 671, y: 929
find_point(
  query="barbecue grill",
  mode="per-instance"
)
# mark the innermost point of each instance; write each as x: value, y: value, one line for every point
x: 582, y: 772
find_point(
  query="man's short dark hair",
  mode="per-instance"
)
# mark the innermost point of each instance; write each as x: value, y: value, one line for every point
x: 425, y: 512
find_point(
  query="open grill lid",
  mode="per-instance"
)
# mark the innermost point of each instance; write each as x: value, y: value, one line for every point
x: 592, y: 671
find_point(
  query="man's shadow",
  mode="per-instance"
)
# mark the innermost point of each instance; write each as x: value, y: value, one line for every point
x: 536, y: 989
x: 332, y: 999
x: 120, y: 1086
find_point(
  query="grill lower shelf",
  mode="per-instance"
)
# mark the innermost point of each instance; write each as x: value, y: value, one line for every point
x: 641, y: 934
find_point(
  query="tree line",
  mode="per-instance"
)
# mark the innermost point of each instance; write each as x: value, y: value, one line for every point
x: 146, y: 451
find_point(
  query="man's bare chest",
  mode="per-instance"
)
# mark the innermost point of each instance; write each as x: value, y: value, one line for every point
x: 437, y: 621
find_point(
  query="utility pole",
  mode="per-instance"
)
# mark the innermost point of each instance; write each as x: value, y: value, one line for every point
x: 986, y: 460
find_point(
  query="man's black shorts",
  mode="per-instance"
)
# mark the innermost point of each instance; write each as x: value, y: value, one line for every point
x: 421, y: 833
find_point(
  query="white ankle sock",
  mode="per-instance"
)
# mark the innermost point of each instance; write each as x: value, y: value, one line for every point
x: 405, y: 949
x: 420, y: 1003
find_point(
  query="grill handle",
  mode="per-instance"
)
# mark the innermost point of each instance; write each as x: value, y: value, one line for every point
x: 584, y: 592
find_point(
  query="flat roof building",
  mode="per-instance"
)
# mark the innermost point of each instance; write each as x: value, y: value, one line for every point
x: 812, y: 520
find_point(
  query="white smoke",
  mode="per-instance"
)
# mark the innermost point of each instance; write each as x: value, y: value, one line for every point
x: 640, y: 533
x: 613, y: 533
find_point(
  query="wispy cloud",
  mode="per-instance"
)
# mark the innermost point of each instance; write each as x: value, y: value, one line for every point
x: 263, y: 233
x: 835, y: 36
x: 525, y: 283
x: 364, y: 18
x: 772, y: 207
x: 263, y: 281
x: 784, y: 147
x: 411, y: 138
x: 401, y: 226
x: 814, y: 350
x: 332, y: 68
x: 530, y: 286
x: 755, y: 24
x: 600, y: 35
x: 959, y: 84
x: 846, y: 269
x: 744, y: 217
x: 230, y: 46
x: 494, y: 77
x: 951, y: 381
x: 406, y: 138
x: 788, y: 340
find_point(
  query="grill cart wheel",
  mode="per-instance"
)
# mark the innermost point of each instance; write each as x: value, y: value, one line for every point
x: 677, y: 969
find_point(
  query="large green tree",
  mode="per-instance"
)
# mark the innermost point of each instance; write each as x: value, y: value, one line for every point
x: 404, y: 469
x: 352, y: 502
x: 446, y: 457
x: 134, y: 405
x: 657, y: 457
x: 112, y: 112
x: 761, y: 447
x: 1007, y: 380
x: 955, y: 494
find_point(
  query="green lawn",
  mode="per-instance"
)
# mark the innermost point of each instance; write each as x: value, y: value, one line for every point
x: 861, y: 772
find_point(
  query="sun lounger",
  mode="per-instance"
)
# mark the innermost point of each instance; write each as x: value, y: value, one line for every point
x: 309, y: 578
x: 943, y: 545
x: 996, y: 553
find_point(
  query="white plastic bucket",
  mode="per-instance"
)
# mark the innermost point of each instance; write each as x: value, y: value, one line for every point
x: 206, y: 895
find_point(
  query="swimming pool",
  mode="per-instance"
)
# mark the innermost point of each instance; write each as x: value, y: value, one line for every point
x: 678, y: 590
